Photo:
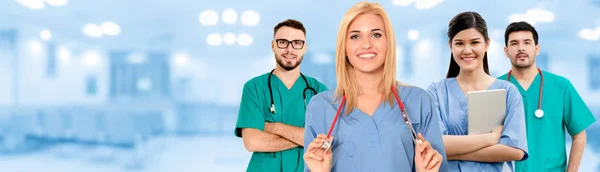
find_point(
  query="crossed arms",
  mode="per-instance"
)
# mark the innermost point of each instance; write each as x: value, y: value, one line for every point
x: 275, y: 137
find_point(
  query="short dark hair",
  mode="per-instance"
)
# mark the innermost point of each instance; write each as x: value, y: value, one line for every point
x: 520, y: 26
x: 464, y: 21
x: 290, y: 23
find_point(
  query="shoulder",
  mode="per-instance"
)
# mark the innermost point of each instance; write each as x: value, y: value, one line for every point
x: 510, y: 87
x: 503, y: 77
x: 441, y: 84
x: 313, y: 81
x: 561, y: 81
x: 257, y: 81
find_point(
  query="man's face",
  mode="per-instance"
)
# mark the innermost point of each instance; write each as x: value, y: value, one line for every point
x: 521, y: 49
x: 289, y: 47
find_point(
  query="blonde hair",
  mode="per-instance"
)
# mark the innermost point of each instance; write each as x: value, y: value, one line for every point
x: 347, y: 84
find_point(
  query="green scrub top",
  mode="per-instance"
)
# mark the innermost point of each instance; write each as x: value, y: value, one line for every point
x: 289, y: 109
x: 563, y: 108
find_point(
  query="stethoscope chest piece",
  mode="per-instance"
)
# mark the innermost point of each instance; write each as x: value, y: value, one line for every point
x: 539, y: 113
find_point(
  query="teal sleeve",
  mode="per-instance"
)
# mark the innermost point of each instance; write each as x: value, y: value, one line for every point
x: 577, y: 116
x: 250, y: 115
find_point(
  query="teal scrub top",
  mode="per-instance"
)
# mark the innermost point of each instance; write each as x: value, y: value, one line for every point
x: 563, y: 108
x: 289, y: 109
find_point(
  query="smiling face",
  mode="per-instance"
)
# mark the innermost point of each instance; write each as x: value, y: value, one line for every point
x: 289, y: 47
x: 468, y: 48
x: 366, y: 43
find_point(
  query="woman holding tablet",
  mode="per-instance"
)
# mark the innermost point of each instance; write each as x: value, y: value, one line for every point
x: 468, y: 71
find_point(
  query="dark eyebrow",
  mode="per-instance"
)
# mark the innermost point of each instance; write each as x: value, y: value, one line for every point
x: 475, y: 39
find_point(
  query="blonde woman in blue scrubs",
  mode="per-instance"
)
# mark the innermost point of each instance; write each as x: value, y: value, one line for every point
x: 468, y: 71
x: 370, y: 133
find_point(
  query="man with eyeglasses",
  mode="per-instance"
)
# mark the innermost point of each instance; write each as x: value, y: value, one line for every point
x: 271, y: 116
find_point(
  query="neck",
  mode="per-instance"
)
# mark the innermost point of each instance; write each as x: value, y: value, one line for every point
x: 472, y: 77
x: 286, y: 76
x: 525, y: 74
x: 369, y: 83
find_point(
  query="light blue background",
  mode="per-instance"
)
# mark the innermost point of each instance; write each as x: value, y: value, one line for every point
x: 158, y: 97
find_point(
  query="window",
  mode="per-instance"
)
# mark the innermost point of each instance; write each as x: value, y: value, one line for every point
x: 594, y: 71
x: 139, y: 75
x: 91, y: 85
x: 51, y: 59
x: 542, y: 61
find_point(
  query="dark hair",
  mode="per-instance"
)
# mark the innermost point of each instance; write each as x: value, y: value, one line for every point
x: 520, y: 26
x: 290, y: 23
x: 460, y: 22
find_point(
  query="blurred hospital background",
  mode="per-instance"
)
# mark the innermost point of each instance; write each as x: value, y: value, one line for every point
x: 155, y: 85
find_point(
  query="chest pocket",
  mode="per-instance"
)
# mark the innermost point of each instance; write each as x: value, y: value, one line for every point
x: 553, y: 107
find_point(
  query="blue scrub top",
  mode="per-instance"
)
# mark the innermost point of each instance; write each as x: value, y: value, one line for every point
x: 379, y: 143
x: 452, y: 107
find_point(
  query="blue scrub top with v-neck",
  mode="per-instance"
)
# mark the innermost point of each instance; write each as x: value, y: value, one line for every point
x: 451, y: 103
x: 381, y: 142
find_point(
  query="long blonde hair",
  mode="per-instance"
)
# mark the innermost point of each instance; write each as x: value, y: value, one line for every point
x: 347, y: 84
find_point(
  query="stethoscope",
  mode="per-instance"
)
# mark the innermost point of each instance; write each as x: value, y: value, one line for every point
x: 308, y: 87
x: 539, y: 113
x: 327, y: 144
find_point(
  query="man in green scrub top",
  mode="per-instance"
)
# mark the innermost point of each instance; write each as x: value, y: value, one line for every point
x: 561, y: 106
x: 271, y: 117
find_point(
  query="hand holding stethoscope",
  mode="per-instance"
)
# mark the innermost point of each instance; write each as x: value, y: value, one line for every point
x: 318, y: 156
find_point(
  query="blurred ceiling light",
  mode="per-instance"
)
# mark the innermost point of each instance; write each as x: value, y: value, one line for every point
x: 92, y: 30
x: 136, y: 58
x: 32, y: 4
x: 57, y: 2
x: 110, y: 28
x: 250, y: 18
x: 402, y: 2
x: 209, y: 18
x: 413, y: 34
x: 35, y: 47
x: 589, y: 34
x: 229, y: 16
x: 540, y: 15
x: 181, y: 59
x: 522, y: 17
x: 214, y: 39
x: 244, y: 39
x: 427, y: 4
x: 45, y: 34
x: 229, y: 38
x: 64, y: 55
x: 90, y: 58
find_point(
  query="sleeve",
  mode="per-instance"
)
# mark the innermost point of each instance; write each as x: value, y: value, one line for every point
x: 514, y: 132
x: 431, y: 131
x: 313, y: 123
x: 577, y: 116
x: 436, y: 107
x: 250, y: 115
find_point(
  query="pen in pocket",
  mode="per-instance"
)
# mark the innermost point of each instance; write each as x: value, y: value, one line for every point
x: 313, y: 132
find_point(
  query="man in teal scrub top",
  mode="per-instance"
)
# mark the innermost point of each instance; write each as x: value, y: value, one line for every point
x: 271, y: 117
x: 560, y: 106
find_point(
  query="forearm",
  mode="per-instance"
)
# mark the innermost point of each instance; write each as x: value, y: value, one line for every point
x: 291, y: 133
x: 462, y: 144
x: 577, y: 148
x: 258, y: 141
x: 495, y: 153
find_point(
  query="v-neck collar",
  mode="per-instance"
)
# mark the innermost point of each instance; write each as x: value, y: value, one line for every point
x: 533, y: 87
x: 279, y: 84
x: 459, y: 94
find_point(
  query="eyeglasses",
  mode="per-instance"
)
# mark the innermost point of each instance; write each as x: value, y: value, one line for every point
x: 284, y: 43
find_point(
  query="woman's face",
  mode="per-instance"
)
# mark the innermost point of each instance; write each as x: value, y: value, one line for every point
x: 468, y: 48
x: 366, y: 43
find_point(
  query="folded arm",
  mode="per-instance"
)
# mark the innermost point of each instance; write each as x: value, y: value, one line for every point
x: 258, y: 141
x: 289, y: 132
x: 495, y: 153
x: 462, y: 144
